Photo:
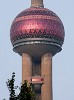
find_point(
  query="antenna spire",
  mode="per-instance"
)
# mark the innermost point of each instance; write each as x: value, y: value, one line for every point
x: 37, y: 3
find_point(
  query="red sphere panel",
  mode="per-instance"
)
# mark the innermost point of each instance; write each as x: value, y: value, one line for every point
x: 37, y: 22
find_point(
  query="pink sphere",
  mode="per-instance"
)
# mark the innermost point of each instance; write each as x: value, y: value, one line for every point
x: 37, y: 24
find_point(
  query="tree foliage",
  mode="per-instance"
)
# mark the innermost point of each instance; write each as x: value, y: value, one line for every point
x: 26, y: 91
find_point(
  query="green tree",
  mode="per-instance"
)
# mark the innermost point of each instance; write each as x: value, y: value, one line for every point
x: 26, y: 91
x: 11, y: 88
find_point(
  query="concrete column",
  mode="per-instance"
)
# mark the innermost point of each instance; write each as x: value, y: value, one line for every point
x: 38, y: 97
x: 26, y: 67
x: 37, y: 3
x: 46, y: 71
x: 36, y: 68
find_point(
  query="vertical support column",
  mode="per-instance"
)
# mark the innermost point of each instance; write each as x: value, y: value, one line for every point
x: 26, y: 67
x: 46, y: 71
x: 36, y: 71
x: 36, y: 68
x: 37, y: 3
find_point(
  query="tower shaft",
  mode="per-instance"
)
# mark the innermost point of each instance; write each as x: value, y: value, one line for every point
x: 26, y: 67
x: 46, y: 71
x: 37, y: 3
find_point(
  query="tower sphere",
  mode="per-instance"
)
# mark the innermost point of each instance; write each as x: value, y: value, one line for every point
x: 37, y: 31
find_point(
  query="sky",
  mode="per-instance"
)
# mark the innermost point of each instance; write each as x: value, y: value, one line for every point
x: 63, y: 62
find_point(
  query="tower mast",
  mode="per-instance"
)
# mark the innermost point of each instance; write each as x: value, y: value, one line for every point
x: 37, y: 3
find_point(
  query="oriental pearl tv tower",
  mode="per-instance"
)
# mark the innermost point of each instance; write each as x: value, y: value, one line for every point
x: 37, y: 34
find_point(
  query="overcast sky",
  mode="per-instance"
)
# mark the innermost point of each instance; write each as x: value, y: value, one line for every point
x: 63, y: 62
